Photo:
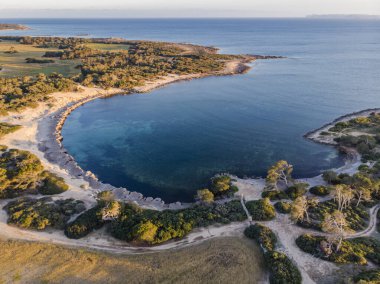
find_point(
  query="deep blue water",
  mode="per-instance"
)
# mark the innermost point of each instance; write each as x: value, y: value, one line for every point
x: 170, y: 142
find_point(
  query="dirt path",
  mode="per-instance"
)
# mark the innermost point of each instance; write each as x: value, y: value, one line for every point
x: 371, y: 224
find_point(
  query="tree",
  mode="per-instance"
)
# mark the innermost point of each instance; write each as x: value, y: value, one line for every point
x: 343, y: 195
x: 111, y: 210
x: 106, y: 196
x: 145, y: 231
x: 330, y: 176
x: 362, y: 193
x: 300, y: 206
x: 336, y: 224
x: 205, y: 195
x: 280, y: 171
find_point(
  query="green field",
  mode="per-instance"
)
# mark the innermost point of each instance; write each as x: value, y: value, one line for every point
x: 14, y: 65
x: 108, y: 47
x: 221, y: 260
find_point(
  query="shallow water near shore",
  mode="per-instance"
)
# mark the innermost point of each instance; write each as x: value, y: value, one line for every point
x: 170, y: 142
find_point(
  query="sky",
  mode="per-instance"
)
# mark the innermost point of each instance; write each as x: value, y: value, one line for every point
x: 185, y: 8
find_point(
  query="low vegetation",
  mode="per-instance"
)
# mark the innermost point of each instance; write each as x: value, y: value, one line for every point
x: 39, y: 214
x: 133, y: 224
x: 320, y: 190
x: 265, y: 238
x: 153, y: 227
x: 220, y: 187
x: 84, y: 224
x: 39, y: 61
x: 281, y: 268
x: 98, y: 63
x: 358, y: 250
x: 283, y: 207
x: 6, y: 128
x: 19, y: 93
x: 368, y: 277
x: 221, y: 260
x: 261, y: 210
x: 21, y: 173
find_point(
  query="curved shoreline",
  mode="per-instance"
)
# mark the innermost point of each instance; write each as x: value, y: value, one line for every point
x: 50, y: 141
x: 315, y: 135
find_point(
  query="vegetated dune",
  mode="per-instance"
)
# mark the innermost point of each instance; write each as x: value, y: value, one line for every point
x: 221, y: 260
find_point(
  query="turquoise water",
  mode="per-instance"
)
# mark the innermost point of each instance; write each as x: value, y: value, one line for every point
x: 170, y: 142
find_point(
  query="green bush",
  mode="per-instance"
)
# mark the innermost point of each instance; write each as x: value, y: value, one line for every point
x: 21, y: 172
x: 221, y: 186
x: 281, y: 269
x: 261, y: 210
x: 369, y: 277
x: 263, y: 236
x: 297, y: 190
x: 283, y: 207
x: 320, y: 190
x: 52, y: 184
x: 38, y: 214
x: 137, y: 225
x: 351, y: 251
x: 356, y: 216
x: 85, y: 223
x: 6, y: 128
x: 274, y: 195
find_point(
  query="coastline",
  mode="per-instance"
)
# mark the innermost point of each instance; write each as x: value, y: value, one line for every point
x: 315, y: 135
x: 42, y: 136
x: 41, y: 128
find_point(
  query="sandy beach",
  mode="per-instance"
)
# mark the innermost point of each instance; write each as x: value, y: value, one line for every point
x: 41, y: 135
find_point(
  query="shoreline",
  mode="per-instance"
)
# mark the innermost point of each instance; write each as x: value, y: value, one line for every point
x: 42, y: 136
x: 44, y: 139
x: 315, y: 135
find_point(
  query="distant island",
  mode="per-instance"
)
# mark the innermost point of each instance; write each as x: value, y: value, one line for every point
x: 13, y: 27
x: 345, y: 16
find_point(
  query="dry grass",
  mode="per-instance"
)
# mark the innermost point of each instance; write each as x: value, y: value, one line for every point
x: 14, y: 64
x: 222, y: 260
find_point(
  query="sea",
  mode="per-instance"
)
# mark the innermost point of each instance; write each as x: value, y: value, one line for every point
x: 170, y: 142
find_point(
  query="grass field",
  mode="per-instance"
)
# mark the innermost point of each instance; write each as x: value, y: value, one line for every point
x: 14, y: 65
x: 108, y: 47
x: 222, y: 260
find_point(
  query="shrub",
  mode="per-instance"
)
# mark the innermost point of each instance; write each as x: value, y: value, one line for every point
x: 21, y: 172
x: 351, y: 251
x: 281, y: 269
x: 369, y: 276
x: 6, y: 128
x: 135, y: 224
x: 320, y: 190
x: 261, y: 210
x: 221, y: 186
x: 39, y: 61
x: 297, y: 190
x: 330, y: 177
x: 274, y: 195
x: 38, y: 214
x: 52, y: 184
x: 283, y: 207
x: 84, y: 224
x: 263, y: 236
x: 356, y: 216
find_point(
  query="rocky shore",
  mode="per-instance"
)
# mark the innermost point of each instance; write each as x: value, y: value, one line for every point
x: 49, y: 137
